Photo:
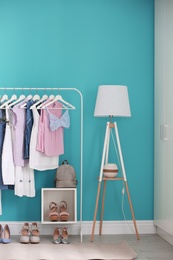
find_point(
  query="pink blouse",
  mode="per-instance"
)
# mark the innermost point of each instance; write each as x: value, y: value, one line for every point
x: 51, y: 143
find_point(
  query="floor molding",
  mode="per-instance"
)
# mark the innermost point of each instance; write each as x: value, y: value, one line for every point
x: 164, y: 235
x: 109, y: 227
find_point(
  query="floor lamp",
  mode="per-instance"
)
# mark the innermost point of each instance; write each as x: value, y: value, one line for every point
x: 112, y: 100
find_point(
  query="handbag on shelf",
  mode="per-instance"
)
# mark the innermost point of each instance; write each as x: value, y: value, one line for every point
x: 65, y: 176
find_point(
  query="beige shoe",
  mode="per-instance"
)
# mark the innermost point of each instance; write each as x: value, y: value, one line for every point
x: 24, y: 238
x: 1, y: 230
x: 35, y: 234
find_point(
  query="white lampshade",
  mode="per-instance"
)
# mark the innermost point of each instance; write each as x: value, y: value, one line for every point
x: 112, y: 100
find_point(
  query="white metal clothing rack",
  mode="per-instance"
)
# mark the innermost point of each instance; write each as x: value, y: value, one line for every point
x: 81, y: 131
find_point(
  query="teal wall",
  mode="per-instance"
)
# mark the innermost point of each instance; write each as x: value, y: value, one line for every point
x: 83, y: 44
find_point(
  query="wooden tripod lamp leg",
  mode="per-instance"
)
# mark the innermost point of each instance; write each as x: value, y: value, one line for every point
x: 131, y: 209
x: 102, y: 210
x: 105, y: 153
x: 95, y: 212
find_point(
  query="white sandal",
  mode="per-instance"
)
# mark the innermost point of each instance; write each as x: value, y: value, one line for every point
x: 24, y: 239
x: 35, y: 234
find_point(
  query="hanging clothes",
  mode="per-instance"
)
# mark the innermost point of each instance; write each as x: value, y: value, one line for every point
x: 28, y: 127
x: 18, y: 130
x: 0, y: 204
x: 51, y: 143
x: 8, y: 167
x: 24, y: 176
x: 24, y: 181
x: 2, y: 135
x: 29, y: 141
x: 38, y: 160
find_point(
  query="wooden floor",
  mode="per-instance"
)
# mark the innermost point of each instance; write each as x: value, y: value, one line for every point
x: 149, y: 247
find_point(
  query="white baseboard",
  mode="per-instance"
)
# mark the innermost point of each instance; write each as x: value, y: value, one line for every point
x: 120, y: 227
x: 164, y: 235
x: 109, y: 227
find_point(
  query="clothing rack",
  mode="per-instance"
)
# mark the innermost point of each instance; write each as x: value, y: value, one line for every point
x: 81, y: 130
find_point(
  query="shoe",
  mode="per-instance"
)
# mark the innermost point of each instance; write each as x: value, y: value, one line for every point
x: 64, y: 215
x: 35, y: 234
x: 56, y: 236
x: 1, y: 229
x: 5, y: 236
x: 53, y: 214
x: 65, y: 238
x: 24, y: 238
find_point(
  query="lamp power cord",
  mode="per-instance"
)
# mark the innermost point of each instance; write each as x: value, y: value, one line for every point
x: 123, y: 188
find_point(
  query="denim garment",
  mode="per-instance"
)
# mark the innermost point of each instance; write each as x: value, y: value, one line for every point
x: 2, y: 134
x: 28, y: 128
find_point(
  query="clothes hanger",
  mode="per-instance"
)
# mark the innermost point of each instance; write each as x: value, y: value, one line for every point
x: 5, y: 104
x: 61, y: 100
x: 28, y: 98
x: 36, y: 97
x: 51, y: 97
x: 44, y: 97
x: 22, y: 96
x: 4, y: 97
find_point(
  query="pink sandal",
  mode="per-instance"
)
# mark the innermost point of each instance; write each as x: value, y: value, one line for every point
x: 53, y: 214
x: 64, y: 215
